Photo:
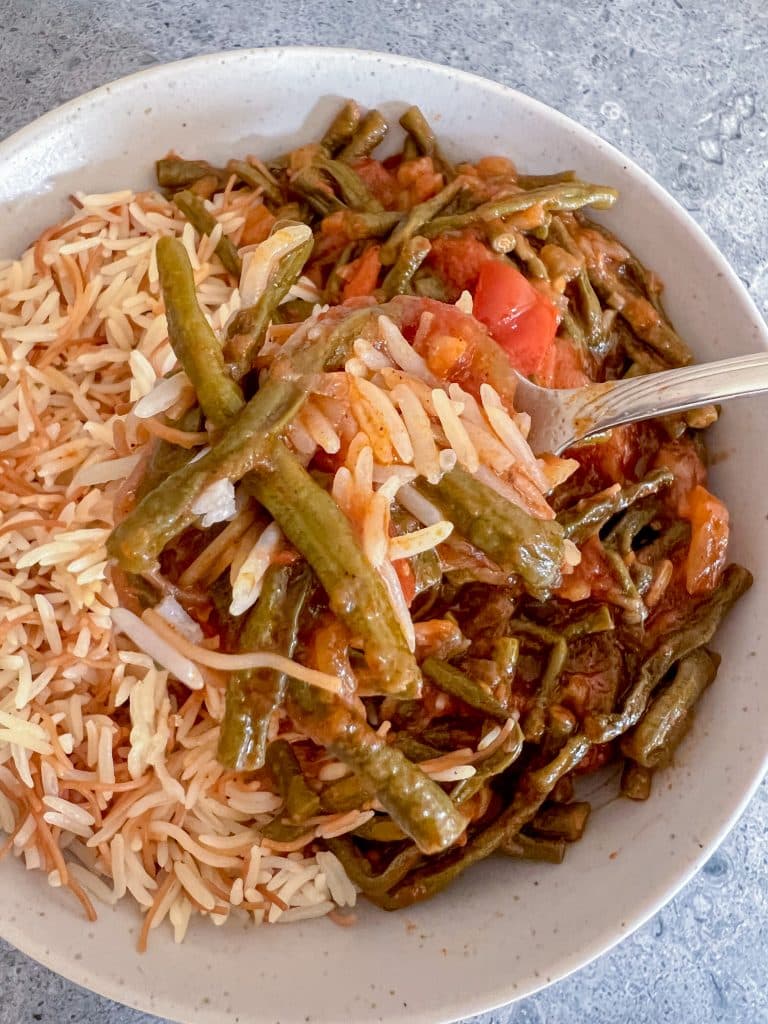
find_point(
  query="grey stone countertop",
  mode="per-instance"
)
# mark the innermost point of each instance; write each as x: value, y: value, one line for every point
x: 682, y: 88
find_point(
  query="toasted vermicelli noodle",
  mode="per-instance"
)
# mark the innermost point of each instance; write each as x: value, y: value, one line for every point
x: 227, y: 724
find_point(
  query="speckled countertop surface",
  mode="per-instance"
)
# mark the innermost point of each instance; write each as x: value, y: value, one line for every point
x: 683, y: 89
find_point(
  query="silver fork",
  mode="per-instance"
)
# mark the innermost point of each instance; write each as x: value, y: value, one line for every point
x: 561, y: 417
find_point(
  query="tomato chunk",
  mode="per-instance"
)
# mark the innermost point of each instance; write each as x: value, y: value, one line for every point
x: 458, y: 259
x: 709, y: 541
x: 520, y: 319
x: 362, y: 274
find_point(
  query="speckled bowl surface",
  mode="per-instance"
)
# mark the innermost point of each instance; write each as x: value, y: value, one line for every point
x: 505, y: 929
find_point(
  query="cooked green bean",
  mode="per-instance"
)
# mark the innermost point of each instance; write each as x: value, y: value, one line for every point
x: 634, y: 608
x: 535, y: 723
x: 655, y: 738
x: 286, y: 831
x: 247, y: 330
x: 591, y: 309
x: 368, y: 134
x: 300, y: 801
x: 451, y: 680
x: 525, y: 254
x: 598, y: 621
x: 192, y: 338
x: 173, y: 172
x: 523, y: 847
x: 414, y: 749
x: 501, y: 237
x: 351, y: 186
x: 412, y: 254
x: 529, y: 181
x: 531, y: 548
x: 492, y: 766
x: 562, y: 196
x: 416, y: 803
x: 531, y: 793
x: 194, y: 209
x: 254, y: 695
x: 678, y: 533
x: 335, y: 281
x: 589, y: 517
x: 166, y: 458
x: 341, y: 128
x: 257, y: 178
x: 420, y: 132
x: 312, y: 186
x: 309, y: 516
x: 357, y: 226
x: 562, y: 821
x: 506, y: 651
x: 623, y: 535
x: 346, y: 794
x: 380, y: 829
x: 416, y: 220
x: 636, y: 781
x: 138, y: 540
x: 641, y: 315
x: 697, y: 630
x: 359, y: 869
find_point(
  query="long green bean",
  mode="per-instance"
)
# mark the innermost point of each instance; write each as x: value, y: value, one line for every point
x: 562, y: 196
x: 562, y: 821
x: 342, y: 128
x: 412, y: 254
x: 368, y: 134
x: 258, y: 178
x: 416, y: 803
x: 416, y: 220
x: 194, y: 209
x: 173, y: 172
x: 309, y: 517
x: 254, y: 695
x: 533, y: 790
x: 636, y: 781
x: 491, y: 767
x: 300, y: 801
x: 523, y: 847
x: 356, y: 225
x: 192, y: 338
x: 588, y: 517
x: 531, y: 548
x: 353, y: 189
x: 359, y: 869
x: 419, y: 130
x: 247, y: 329
x: 591, y: 309
x: 451, y: 680
x: 138, y: 540
x: 312, y: 186
x: 697, y: 630
x: 655, y: 738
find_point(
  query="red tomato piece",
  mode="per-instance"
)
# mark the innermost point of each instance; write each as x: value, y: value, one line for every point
x: 520, y: 318
x: 362, y: 274
x: 458, y: 259
x: 709, y: 541
x: 682, y: 459
x: 379, y: 181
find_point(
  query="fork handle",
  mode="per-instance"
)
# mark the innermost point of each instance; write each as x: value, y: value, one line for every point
x: 659, y: 394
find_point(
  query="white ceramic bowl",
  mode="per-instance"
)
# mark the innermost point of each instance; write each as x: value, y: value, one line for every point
x: 505, y: 929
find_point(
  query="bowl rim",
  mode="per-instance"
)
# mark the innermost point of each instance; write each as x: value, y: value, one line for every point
x: 472, y: 1003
